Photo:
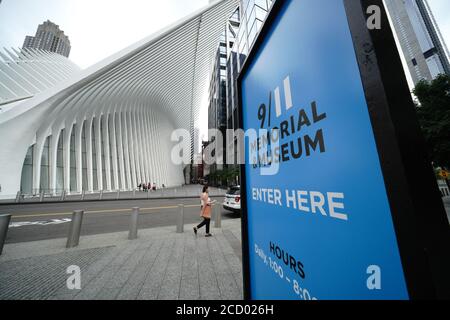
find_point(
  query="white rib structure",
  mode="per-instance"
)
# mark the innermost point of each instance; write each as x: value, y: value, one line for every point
x: 109, y: 127
x: 27, y: 72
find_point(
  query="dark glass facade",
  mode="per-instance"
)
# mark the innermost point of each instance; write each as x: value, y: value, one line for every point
x: 235, y: 43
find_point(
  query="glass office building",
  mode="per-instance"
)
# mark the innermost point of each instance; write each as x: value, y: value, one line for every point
x: 235, y: 44
x: 254, y: 13
x: 420, y: 39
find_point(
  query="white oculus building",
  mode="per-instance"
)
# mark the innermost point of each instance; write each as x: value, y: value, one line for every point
x: 108, y: 127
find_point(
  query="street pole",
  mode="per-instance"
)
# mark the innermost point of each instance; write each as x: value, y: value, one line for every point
x: 180, y: 219
x: 75, y: 229
x: 5, y: 219
x: 133, y: 235
x: 218, y: 216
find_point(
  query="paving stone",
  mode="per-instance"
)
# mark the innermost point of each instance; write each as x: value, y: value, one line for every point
x: 234, y: 242
x: 190, y: 289
x: 220, y: 264
x: 126, y: 270
x: 38, y: 278
x: 87, y: 276
x: 97, y: 284
x: 170, y: 290
x: 190, y: 262
x: 209, y: 289
x: 154, y: 280
x: 131, y: 289
x: 159, y: 265
x: 108, y: 294
x: 228, y: 288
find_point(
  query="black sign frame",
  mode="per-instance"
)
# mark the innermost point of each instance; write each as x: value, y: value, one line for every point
x: 420, y: 221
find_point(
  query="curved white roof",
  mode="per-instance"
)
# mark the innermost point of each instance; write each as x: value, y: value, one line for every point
x: 26, y: 72
x: 167, y: 72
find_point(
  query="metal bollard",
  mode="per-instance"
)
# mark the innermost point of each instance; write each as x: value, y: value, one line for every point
x: 18, y: 196
x: 83, y: 194
x: 41, y: 197
x: 101, y: 195
x: 75, y: 229
x: 4, y: 225
x: 218, y: 216
x: 180, y: 219
x: 133, y: 235
x: 63, y: 196
x: 118, y: 195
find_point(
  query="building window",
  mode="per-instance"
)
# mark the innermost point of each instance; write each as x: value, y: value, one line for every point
x: 73, y: 162
x: 103, y: 149
x: 26, y: 185
x: 94, y: 158
x: 84, y: 158
x: 60, y: 163
x: 45, y: 166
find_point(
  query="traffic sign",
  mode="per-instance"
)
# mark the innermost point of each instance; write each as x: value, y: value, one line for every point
x: 332, y: 206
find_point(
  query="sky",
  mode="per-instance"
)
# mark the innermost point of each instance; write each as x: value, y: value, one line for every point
x: 96, y: 28
x: 100, y: 28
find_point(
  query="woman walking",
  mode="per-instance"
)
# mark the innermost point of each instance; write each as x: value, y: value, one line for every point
x: 205, y: 212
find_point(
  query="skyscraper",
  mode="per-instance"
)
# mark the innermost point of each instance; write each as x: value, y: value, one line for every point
x: 50, y: 38
x: 420, y: 39
x: 219, y: 86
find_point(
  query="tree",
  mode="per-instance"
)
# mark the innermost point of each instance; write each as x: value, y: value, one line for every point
x: 225, y: 177
x: 434, y: 117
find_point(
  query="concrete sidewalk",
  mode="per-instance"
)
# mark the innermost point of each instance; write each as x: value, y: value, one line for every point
x: 160, y: 265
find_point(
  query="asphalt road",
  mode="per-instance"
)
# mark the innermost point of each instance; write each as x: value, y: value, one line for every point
x: 100, y: 217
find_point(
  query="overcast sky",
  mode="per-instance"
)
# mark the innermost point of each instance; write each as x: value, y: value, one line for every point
x: 96, y: 28
x: 100, y: 28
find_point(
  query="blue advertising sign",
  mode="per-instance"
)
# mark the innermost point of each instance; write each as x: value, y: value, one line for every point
x: 318, y: 215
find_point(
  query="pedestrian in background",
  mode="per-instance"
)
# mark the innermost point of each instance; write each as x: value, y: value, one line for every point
x: 205, y: 212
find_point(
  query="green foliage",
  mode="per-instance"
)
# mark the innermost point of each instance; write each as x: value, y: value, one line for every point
x: 226, y: 176
x: 434, y: 117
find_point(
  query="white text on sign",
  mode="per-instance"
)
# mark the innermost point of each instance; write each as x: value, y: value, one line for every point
x: 329, y: 204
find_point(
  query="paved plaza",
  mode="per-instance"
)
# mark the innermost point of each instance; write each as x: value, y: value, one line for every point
x: 160, y: 265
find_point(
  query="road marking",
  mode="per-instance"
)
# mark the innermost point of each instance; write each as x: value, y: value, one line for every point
x: 99, y: 211
x: 39, y: 223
